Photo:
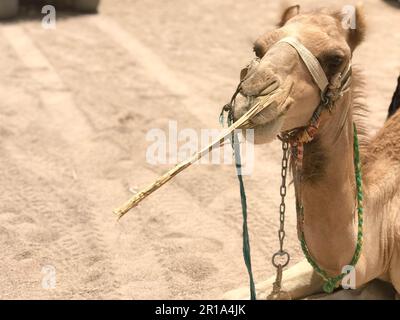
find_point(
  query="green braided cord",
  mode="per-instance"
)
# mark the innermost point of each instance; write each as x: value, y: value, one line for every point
x: 243, y: 201
x: 332, y: 282
x: 246, y: 241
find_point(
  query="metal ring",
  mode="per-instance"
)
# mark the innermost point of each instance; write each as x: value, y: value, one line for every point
x: 280, y: 254
x: 325, y: 98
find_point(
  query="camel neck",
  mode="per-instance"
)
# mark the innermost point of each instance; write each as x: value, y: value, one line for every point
x: 328, y: 190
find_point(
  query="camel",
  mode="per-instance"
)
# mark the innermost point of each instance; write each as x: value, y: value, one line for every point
x: 327, y: 184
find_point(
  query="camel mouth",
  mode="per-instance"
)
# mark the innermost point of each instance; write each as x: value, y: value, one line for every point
x: 270, y: 123
x: 275, y: 100
x: 269, y: 90
x: 273, y: 103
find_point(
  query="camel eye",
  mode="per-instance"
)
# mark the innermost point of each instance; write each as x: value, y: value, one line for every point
x: 335, y: 61
x: 331, y: 62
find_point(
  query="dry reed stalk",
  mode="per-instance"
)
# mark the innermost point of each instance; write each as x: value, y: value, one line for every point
x: 277, y: 96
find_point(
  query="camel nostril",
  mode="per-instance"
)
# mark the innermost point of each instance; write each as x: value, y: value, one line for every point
x: 243, y: 73
x: 259, y: 84
x: 227, y: 107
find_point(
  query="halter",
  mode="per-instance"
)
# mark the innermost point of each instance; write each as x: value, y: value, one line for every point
x: 330, y: 92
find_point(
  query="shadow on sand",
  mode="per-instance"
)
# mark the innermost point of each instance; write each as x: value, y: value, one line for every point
x: 393, y: 3
x: 30, y: 10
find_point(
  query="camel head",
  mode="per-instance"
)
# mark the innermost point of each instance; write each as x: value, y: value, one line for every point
x: 278, y: 65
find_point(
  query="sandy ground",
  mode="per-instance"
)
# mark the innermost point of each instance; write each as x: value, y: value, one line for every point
x: 75, y: 106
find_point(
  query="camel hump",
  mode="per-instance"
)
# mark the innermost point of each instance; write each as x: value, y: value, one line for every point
x: 395, y: 104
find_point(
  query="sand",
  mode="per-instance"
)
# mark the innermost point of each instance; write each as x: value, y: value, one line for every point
x: 75, y: 106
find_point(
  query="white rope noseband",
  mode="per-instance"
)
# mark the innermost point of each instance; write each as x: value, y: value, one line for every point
x: 330, y: 91
x: 310, y: 61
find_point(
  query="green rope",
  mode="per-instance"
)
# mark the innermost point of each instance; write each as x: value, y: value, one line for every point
x: 332, y: 282
x: 243, y: 201
x: 246, y: 240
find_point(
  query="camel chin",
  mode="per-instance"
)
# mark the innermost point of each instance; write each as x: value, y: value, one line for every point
x: 267, y: 132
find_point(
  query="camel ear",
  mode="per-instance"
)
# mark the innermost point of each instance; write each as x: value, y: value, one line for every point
x: 354, y: 20
x: 288, y: 14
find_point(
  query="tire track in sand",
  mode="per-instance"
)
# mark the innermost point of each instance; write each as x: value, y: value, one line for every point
x: 79, y: 231
x: 155, y: 66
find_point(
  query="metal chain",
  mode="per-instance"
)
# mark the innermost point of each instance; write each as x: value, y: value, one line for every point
x: 277, y: 292
x: 282, y: 207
